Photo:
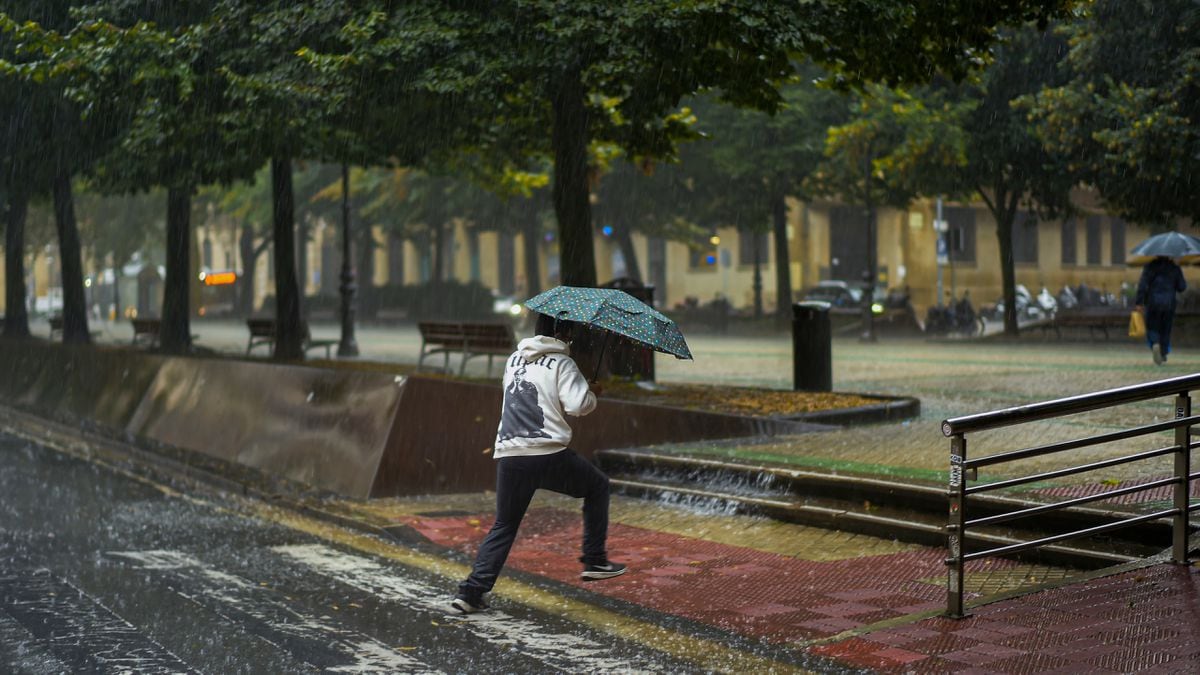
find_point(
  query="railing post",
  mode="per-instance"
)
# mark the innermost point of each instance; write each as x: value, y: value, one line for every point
x: 955, y: 530
x: 1183, y: 441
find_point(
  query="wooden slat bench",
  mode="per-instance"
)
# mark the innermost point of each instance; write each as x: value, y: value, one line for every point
x: 146, y: 331
x: 1101, y: 319
x: 469, y: 339
x: 262, y: 332
x: 56, y: 327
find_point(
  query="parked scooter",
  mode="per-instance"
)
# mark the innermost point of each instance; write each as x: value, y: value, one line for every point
x: 1047, y: 303
x: 1027, y: 308
x: 955, y: 317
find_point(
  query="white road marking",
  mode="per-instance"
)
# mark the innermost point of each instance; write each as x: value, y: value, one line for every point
x: 76, y: 629
x: 222, y: 592
x: 563, y: 651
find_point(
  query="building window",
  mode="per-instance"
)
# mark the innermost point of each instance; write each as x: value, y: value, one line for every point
x: 1025, y: 238
x: 1117, y: 237
x: 473, y: 253
x: 507, y: 262
x: 702, y: 254
x: 960, y: 235
x: 1093, y: 240
x: 747, y: 241
x: 656, y: 253
x: 1069, y: 254
x: 395, y: 260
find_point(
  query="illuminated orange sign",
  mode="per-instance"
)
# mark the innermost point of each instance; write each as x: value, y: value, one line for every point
x: 220, y: 278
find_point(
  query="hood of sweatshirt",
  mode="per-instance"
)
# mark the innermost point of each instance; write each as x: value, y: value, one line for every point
x: 535, y: 347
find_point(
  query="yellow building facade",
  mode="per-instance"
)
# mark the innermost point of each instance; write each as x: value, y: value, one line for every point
x: 826, y: 240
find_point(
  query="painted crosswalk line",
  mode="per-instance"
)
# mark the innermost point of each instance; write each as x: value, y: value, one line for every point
x: 265, y: 614
x: 57, y: 620
x: 557, y: 650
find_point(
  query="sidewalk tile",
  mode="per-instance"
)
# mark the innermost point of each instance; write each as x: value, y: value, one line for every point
x: 901, y: 656
x: 845, y: 609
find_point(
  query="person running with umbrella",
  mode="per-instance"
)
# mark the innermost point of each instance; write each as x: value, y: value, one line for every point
x: 542, y: 386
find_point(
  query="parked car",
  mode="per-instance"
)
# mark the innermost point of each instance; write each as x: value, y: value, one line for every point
x: 839, y: 294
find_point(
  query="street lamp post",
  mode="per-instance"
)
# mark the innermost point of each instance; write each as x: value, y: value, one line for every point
x: 349, y: 289
x: 869, y: 275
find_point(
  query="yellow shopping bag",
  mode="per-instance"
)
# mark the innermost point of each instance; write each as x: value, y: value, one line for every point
x: 1137, y: 324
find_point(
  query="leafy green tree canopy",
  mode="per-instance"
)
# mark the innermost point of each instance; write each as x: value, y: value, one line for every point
x: 1129, y: 117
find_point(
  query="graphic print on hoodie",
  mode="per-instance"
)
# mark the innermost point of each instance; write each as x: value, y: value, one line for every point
x: 522, y: 416
x: 542, y: 386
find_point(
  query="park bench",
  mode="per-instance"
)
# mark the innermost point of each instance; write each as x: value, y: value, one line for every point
x: 262, y: 332
x: 146, y: 331
x: 1095, y: 319
x: 469, y: 339
x: 56, y: 327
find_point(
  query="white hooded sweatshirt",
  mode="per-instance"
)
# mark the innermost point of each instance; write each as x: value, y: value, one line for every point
x: 542, y: 385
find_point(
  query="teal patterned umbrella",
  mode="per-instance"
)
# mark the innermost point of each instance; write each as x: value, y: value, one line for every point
x: 616, y: 311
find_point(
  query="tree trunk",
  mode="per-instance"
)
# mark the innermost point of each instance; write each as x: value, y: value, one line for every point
x: 368, y: 303
x: 117, y: 313
x: 757, y: 283
x: 1003, y: 206
x: 16, y: 315
x: 302, y: 275
x: 1008, y: 273
x: 75, y: 322
x: 628, y: 252
x: 783, y: 261
x: 289, y: 341
x: 348, y: 345
x: 571, y: 206
x: 533, y: 266
x: 249, y: 271
x: 175, y: 333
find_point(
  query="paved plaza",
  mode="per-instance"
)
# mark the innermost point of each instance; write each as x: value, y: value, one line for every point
x: 848, y: 600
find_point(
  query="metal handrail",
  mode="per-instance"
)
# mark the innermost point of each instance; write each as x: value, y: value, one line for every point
x: 1046, y: 508
x: 1069, y: 405
x: 1069, y: 471
x: 1074, y: 444
x: 1099, y: 529
x: 963, y: 470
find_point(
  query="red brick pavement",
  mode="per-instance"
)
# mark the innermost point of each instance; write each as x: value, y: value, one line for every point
x: 1146, y: 620
x: 1163, y: 493
x: 1142, y: 620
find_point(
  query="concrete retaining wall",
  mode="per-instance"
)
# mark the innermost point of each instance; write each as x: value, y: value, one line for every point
x: 357, y: 433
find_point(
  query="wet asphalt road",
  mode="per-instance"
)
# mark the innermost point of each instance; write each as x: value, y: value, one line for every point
x: 101, y: 572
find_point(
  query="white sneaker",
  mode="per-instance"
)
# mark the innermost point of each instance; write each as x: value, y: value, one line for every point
x: 1156, y: 351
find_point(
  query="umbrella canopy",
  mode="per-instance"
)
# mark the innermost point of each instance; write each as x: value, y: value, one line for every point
x: 1182, y: 247
x: 616, y: 311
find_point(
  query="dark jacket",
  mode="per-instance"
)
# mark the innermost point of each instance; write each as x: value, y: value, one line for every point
x: 1161, y: 280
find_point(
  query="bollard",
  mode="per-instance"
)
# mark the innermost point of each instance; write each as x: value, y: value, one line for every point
x: 812, y: 359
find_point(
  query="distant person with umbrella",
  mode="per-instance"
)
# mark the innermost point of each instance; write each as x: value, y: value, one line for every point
x: 542, y: 386
x: 1161, y: 281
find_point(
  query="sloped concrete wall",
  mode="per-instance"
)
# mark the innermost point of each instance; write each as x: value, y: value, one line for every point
x: 318, y: 426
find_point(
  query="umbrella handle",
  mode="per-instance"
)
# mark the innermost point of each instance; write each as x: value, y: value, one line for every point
x: 599, y: 361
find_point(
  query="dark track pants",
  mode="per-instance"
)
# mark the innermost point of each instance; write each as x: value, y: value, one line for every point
x: 517, y: 478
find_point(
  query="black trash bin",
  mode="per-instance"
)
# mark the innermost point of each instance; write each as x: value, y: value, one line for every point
x: 812, y: 357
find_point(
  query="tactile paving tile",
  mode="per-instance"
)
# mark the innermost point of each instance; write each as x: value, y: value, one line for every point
x: 749, y: 591
x: 1158, y: 494
x: 1143, y: 620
